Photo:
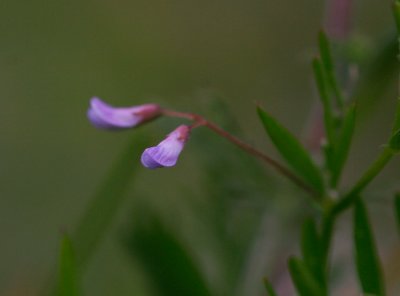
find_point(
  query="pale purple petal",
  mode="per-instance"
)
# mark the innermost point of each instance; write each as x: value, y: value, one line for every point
x: 105, y: 116
x: 166, y: 153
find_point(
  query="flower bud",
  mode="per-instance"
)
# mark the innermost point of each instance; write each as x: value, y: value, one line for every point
x: 104, y: 116
x: 167, y: 152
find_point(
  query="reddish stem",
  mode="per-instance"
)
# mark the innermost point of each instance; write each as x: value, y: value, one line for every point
x: 201, y: 121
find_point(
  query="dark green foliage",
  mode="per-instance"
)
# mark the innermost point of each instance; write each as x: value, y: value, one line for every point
x: 292, y: 151
x: 311, y: 250
x: 342, y: 145
x: 366, y: 257
x: 305, y: 283
x: 320, y: 78
x: 328, y: 65
x: 397, y: 209
x: 107, y: 200
x: 166, y: 260
x: 68, y: 273
x: 394, y: 142
x: 269, y: 288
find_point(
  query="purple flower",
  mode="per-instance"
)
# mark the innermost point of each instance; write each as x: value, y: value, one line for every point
x: 104, y: 116
x: 167, y: 152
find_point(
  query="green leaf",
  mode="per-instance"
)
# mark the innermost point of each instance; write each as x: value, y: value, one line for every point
x: 342, y: 146
x: 397, y: 209
x: 170, y: 266
x: 106, y: 202
x: 68, y: 277
x: 327, y: 61
x: 320, y: 79
x: 311, y: 250
x: 303, y: 280
x: 268, y: 286
x: 396, y: 13
x: 366, y: 257
x: 292, y: 151
x: 394, y: 142
x: 396, y: 125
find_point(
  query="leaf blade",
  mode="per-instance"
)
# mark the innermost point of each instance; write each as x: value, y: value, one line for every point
x: 268, y: 286
x: 366, y: 257
x: 106, y: 201
x: 68, y: 274
x: 342, y: 147
x: 292, y: 151
x: 302, y: 278
x: 311, y: 250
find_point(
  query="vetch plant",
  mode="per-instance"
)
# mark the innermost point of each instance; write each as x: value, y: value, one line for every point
x: 310, y: 271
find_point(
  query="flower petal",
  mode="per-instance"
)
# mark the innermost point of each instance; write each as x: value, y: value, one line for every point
x: 166, y: 153
x: 105, y: 116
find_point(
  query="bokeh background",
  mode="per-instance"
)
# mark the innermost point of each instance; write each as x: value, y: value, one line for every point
x: 216, y: 58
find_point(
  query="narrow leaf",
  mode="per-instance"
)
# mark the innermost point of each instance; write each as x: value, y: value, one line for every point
x: 396, y: 13
x: 292, y: 151
x: 268, y: 286
x: 367, y: 261
x: 170, y: 266
x: 320, y: 79
x: 327, y: 61
x: 394, y: 141
x: 311, y: 250
x: 303, y: 280
x: 343, y: 143
x: 108, y: 199
x: 397, y: 209
x: 396, y: 125
x: 68, y: 278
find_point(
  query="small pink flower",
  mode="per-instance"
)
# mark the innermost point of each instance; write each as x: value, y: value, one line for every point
x: 104, y: 116
x: 167, y: 152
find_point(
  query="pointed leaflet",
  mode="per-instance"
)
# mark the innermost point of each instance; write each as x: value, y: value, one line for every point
x: 164, y: 258
x: 342, y: 145
x: 311, y: 250
x: 268, y: 286
x: 292, y: 151
x: 106, y: 201
x: 303, y: 280
x: 320, y: 79
x: 326, y: 57
x: 367, y: 261
x: 397, y: 209
x: 396, y: 13
x: 67, y: 278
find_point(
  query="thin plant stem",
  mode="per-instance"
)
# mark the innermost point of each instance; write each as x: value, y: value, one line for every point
x: 375, y: 168
x: 201, y: 121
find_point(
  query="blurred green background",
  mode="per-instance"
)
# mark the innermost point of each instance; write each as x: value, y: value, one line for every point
x: 188, y: 55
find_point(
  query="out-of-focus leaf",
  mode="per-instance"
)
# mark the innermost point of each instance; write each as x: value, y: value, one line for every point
x: 165, y: 259
x: 320, y: 79
x: 269, y: 287
x: 107, y: 200
x: 397, y: 209
x: 396, y: 125
x: 327, y: 62
x: 366, y: 257
x: 305, y: 283
x: 342, y: 146
x: 396, y: 13
x: 68, y: 277
x: 292, y: 151
x: 311, y: 250
x: 394, y: 142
